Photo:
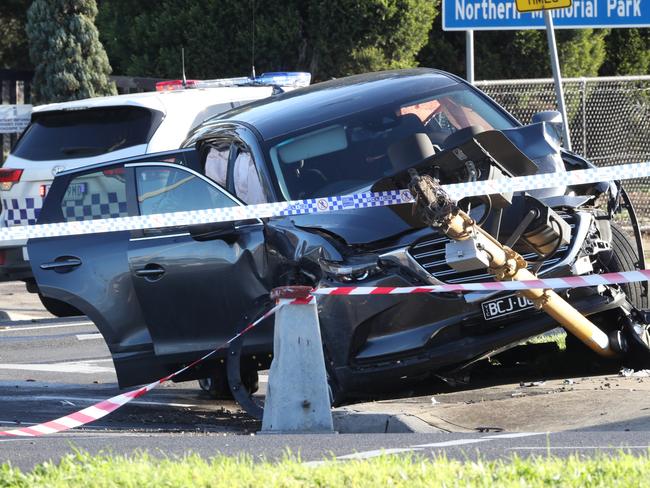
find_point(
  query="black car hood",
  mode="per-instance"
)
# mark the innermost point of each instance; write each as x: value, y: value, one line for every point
x: 357, y: 226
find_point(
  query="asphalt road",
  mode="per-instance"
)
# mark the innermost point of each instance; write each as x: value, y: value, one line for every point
x: 52, y: 367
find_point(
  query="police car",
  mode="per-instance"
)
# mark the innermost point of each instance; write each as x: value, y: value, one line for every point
x: 69, y: 135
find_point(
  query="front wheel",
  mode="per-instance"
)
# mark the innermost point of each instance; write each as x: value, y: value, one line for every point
x: 217, y: 386
x: 624, y: 256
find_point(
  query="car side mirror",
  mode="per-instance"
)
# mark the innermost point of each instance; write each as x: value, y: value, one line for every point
x: 212, y: 231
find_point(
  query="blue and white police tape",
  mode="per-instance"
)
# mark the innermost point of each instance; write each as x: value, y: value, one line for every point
x: 322, y: 205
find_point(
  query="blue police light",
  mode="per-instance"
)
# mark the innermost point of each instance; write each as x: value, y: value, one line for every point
x: 284, y: 78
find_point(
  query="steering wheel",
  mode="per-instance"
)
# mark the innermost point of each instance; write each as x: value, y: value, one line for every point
x: 315, y: 172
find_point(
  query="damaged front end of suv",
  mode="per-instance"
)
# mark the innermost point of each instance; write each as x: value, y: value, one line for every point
x: 377, y: 343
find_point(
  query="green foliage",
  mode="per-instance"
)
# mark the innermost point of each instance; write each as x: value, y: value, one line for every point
x: 628, y: 52
x: 64, y: 46
x: 517, y: 54
x: 525, y: 53
x: 81, y: 470
x: 352, y: 37
x: 14, y: 51
x: 329, y: 39
x: 444, y: 50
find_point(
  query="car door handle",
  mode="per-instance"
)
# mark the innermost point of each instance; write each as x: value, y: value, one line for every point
x: 151, y: 272
x: 61, y: 264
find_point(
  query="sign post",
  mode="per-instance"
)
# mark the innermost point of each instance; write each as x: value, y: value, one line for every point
x: 469, y: 55
x: 471, y: 15
x: 557, y: 77
x: 546, y: 6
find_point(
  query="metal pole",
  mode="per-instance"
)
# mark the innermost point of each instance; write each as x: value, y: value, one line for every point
x: 557, y: 77
x: 583, y: 89
x: 469, y: 55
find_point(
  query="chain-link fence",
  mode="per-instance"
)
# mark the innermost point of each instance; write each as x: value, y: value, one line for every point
x: 609, y: 119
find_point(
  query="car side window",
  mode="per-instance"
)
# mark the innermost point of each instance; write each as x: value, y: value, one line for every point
x: 246, y: 178
x: 162, y: 189
x: 98, y: 195
x: 216, y: 163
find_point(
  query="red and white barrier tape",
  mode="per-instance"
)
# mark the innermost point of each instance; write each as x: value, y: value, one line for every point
x: 101, y: 409
x: 554, y: 283
x: 105, y: 407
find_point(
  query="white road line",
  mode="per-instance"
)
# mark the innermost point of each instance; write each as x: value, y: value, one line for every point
x: 420, y: 447
x: 79, y: 436
x: 37, y: 327
x: 40, y: 398
x: 550, y: 448
x: 457, y: 442
x: 87, y: 337
x: 83, y: 367
x: 376, y: 453
x: 514, y: 435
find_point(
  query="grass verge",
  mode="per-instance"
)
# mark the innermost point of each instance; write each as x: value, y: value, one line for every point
x: 559, y: 338
x: 81, y: 470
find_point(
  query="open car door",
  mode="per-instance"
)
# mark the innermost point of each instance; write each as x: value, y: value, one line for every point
x: 162, y: 296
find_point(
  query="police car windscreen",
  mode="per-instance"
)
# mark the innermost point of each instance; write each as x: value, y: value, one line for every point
x: 68, y: 134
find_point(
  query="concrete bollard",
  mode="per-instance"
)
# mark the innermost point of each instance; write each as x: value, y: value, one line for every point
x: 297, y: 397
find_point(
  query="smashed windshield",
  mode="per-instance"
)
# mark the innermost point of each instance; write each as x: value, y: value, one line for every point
x: 352, y: 153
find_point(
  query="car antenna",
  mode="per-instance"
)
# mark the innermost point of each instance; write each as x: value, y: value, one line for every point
x: 253, y: 44
x: 184, y: 83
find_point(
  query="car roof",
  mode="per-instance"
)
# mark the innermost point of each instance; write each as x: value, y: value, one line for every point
x: 305, y: 107
x: 166, y: 101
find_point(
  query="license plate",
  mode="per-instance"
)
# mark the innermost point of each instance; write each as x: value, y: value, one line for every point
x: 500, y: 307
x: 76, y: 191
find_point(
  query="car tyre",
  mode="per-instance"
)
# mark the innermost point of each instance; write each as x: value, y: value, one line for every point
x: 58, y: 308
x: 623, y: 256
x: 217, y: 385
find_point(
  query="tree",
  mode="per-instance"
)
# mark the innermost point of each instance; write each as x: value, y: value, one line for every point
x: 70, y: 61
x: 518, y: 54
x: 330, y: 39
x: 628, y: 52
x: 14, y: 50
x: 444, y: 50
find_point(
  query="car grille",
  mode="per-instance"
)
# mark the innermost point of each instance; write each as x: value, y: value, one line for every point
x: 430, y: 254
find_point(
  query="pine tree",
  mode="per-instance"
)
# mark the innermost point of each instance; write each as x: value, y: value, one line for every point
x: 14, y: 52
x: 70, y: 61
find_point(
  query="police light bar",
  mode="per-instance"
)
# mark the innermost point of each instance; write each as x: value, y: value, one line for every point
x: 175, y: 85
x: 284, y: 78
x: 293, y: 79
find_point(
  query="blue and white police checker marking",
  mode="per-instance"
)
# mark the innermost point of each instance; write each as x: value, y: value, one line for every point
x: 25, y: 211
x: 502, y: 14
x: 320, y: 205
x: 21, y: 211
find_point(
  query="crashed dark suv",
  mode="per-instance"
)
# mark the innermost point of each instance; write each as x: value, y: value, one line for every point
x: 162, y: 297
